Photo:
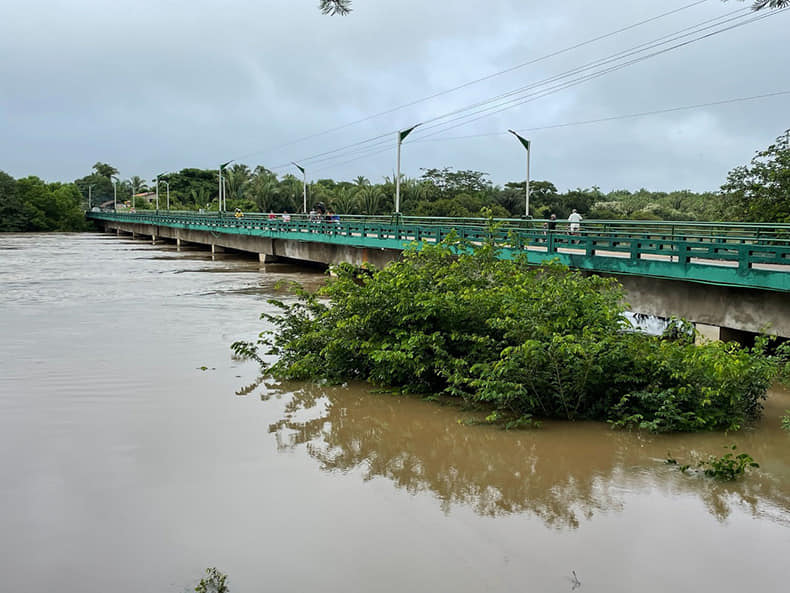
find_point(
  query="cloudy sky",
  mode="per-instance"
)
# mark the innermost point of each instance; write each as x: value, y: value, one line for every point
x: 158, y: 86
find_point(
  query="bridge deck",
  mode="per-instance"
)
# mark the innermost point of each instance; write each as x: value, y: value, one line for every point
x: 747, y: 255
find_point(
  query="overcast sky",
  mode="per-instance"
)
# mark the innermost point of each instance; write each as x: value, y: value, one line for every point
x: 158, y: 86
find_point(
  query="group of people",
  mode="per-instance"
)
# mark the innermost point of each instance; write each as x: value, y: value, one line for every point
x: 320, y: 213
x: 574, y: 222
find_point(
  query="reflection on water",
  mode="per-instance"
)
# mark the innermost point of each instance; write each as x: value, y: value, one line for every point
x: 563, y: 473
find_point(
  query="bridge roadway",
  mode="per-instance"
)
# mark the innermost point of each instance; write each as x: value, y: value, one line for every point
x: 734, y: 276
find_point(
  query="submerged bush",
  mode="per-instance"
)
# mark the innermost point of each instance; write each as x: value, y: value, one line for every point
x: 542, y: 341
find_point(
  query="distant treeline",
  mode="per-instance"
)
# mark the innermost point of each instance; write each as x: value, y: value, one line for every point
x: 759, y: 191
x: 30, y: 204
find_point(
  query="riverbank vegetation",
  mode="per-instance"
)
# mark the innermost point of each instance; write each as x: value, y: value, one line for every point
x: 727, y: 467
x: 528, y: 342
x: 758, y: 192
x: 33, y: 205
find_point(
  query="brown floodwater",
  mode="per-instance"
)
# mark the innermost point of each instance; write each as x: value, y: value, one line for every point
x: 135, y: 452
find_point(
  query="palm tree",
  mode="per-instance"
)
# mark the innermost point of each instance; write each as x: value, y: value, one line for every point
x: 345, y: 201
x: 370, y: 199
x: 341, y: 7
x: 137, y: 184
x: 263, y: 189
x: 760, y: 4
x: 237, y: 177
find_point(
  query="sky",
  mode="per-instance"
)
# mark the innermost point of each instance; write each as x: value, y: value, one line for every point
x: 152, y: 87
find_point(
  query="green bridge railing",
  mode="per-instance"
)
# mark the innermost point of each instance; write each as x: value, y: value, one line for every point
x: 735, y: 254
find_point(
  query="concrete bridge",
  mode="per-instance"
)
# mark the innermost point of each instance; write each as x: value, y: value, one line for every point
x: 732, y: 277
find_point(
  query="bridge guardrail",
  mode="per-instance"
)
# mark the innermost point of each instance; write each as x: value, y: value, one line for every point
x: 744, y: 254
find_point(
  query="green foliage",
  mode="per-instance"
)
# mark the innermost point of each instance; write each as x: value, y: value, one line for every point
x: 547, y: 342
x: 30, y: 205
x: 760, y: 191
x: 729, y: 466
x: 213, y: 582
x: 341, y: 7
x: 785, y: 421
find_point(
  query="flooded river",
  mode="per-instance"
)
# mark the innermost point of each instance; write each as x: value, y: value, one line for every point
x: 135, y: 453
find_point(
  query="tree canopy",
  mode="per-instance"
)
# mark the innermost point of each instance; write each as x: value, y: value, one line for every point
x: 530, y: 342
x: 760, y: 191
x: 343, y: 7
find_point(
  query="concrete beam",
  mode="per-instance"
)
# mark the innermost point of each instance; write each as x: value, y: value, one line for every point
x: 741, y: 309
x: 734, y: 308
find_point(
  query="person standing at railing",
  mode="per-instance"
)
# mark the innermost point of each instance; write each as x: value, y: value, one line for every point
x: 286, y: 216
x: 575, y: 222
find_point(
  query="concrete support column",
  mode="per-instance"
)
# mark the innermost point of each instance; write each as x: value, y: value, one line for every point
x: 153, y: 239
x: 707, y: 333
x: 216, y: 249
x: 267, y: 258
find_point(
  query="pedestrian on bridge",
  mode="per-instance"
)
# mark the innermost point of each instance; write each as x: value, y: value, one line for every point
x: 575, y: 219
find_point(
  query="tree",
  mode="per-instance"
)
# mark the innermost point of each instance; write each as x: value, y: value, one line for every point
x: 12, y: 218
x: 370, y: 199
x: 137, y: 184
x: 237, y: 177
x: 345, y: 201
x: 760, y: 191
x: 31, y: 204
x: 105, y: 170
x: 760, y: 4
x: 263, y: 189
x: 341, y: 7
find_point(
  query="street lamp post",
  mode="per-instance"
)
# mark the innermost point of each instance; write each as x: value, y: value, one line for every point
x: 89, y: 196
x: 222, y: 186
x: 168, y: 192
x: 304, y: 185
x: 526, y: 144
x: 114, y: 192
x: 401, y: 137
x: 157, y: 190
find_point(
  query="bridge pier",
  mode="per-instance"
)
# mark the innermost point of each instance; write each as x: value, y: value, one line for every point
x: 268, y: 258
x: 216, y: 249
x: 711, y: 333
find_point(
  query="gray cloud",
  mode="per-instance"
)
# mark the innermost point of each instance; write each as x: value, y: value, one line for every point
x: 160, y: 86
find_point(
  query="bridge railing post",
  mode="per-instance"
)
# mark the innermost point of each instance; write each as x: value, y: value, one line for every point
x: 683, y: 254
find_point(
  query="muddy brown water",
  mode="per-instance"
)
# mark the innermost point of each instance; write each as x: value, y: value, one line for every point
x: 127, y: 466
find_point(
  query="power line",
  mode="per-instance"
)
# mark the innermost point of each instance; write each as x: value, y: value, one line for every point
x: 478, y: 80
x: 611, y: 118
x: 373, y: 147
x: 560, y: 84
x: 591, y: 65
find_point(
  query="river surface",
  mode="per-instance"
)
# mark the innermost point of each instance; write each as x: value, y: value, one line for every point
x: 135, y: 453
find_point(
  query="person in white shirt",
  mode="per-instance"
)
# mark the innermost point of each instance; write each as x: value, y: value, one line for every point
x: 574, y: 219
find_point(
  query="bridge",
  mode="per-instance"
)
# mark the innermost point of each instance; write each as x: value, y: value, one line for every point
x: 733, y: 276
